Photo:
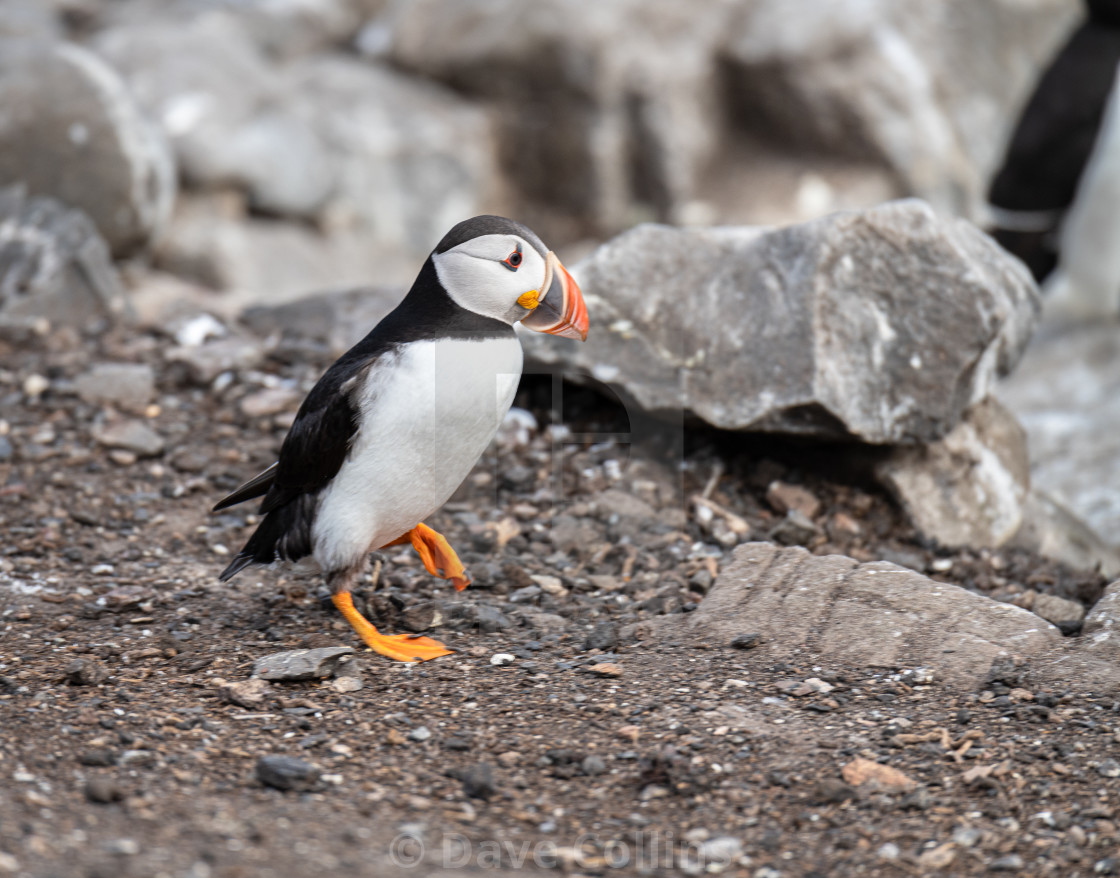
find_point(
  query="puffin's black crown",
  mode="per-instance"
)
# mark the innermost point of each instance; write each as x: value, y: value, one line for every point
x: 477, y: 226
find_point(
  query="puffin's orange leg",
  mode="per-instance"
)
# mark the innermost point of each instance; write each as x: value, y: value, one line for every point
x: 401, y: 647
x: 438, y: 556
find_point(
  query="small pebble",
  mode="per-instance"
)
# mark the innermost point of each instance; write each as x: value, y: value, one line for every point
x: 606, y: 669
x: 501, y: 658
x: 603, y: 636
x: 103, y: 790
x: 1109, y: 768
x: 478, y: 781
x: 746, y: 641
x: 593, y: 765
x: 286, y: 773
x: 420, y: 733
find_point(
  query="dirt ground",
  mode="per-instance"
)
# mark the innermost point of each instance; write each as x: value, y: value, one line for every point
x: 129, y: 741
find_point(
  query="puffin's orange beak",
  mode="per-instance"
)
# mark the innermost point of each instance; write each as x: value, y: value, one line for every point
x: 560, y: 309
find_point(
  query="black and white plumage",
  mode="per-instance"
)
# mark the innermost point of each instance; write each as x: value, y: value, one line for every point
x: 1060, y: 130
x: 395, y: 425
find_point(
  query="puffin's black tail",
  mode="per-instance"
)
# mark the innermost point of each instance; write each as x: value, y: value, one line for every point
x: 285, y: 533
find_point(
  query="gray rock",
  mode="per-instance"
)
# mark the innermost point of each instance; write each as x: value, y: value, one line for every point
x: 1050, y: 529
x: 130, y: 385
x: 85, y: 672
x: 843, y: 326
x: 207, y: 361
x: 478, y: 781
x: 895, y: 85
x: 626, y: 99
x: 487, y: 619
x: 201, y: 77
x: 129, y: 435
x: 593, y: 765
x: 420, y: 734
x: 1100, y: 634
x: 337, y: 320
x: 53, y: 265
x: 653, y: 109
x: 1064, y: 392
x: 287, y: 773
x: 103, y: 790
x: 213, y: 240
x: 1109, y: 768
x: 281, y: 30
x: 968, y: 488
x: 613, y: 504
x: 300, y: 664
x: 421, y: 617
x: 569, y: 534
x: 322, y: 136
x: 30, y: 20
x: 252, y: 694
x: 793, y: 530
x: 72, y: 131
x: 1059, y: 611
x: 876, y: 614
x: 410, y: 159
x: 604, y: 636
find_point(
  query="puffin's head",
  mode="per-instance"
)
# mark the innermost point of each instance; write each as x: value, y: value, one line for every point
x: 497, y: 267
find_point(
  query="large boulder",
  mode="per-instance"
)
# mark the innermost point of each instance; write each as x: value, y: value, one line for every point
x: 71, y: 130
x: 862, y: 615
x: 601, y: 105
x: 54, y: 266
x: 736, y: 108
x: 884, y: 324
x: 282, y: 29
x: 914, y: 89
x: 326, y: 138
x: 214, y: 241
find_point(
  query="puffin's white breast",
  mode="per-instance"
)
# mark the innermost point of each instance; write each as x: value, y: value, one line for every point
x: 427, y: 414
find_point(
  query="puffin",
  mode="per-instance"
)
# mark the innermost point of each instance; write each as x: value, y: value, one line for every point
x: 396, y: 424
x: 1062, y: 132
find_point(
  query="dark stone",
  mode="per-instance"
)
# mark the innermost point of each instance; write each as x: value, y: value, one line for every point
x: 98, y: 758
x: 603, y: 636
x: 83, y: 672
x: 478, y: 781
x: 794, y: 530
x: 103, y: 790
x: 746, y: 641
x: 287, y: 773
x: 593, y: 765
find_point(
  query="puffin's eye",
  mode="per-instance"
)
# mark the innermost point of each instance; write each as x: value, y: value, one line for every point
x: 513, y: 261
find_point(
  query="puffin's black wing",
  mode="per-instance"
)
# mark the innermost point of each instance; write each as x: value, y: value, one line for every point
x: 1058, y: 127
x: 312, y: 454
x: 255, y: 487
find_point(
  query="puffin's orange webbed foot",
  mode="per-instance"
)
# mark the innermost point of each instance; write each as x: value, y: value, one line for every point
x: 400, y: 647
x: 438, y: 556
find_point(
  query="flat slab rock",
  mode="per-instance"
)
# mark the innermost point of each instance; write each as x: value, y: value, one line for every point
x: 301, y: 664
x: 869, y: 615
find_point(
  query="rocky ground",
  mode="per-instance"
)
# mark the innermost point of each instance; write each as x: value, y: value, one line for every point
x: 136, y: 742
